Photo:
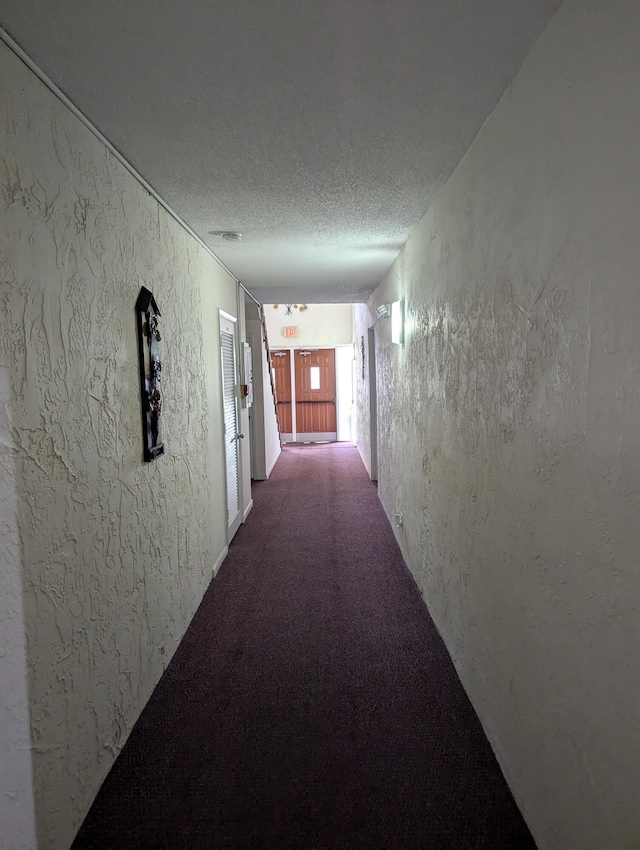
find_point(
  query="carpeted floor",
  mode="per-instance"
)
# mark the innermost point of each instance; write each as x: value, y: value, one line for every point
x: 311, y: 704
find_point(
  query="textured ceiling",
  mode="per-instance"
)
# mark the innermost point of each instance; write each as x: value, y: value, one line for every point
x: 320, y: 129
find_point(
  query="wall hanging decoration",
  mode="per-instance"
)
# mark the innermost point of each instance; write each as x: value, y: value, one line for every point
x: 147, y: 316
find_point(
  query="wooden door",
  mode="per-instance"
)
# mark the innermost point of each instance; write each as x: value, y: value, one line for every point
x: 315, y: 394
x: 281, y: 364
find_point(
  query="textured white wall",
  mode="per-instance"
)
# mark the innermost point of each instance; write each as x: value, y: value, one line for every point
x: 17, y: 811
x: 116, y: 554
x: 508, y: 426
x: 321, y: 325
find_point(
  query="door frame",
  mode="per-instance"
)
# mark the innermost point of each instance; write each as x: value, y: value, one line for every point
x: 252, y: 422
x: 285, y: 436
x: 344, y: 380
x: 293, y: 437
x: 232, y: 524
x: 373, y: 403
x: 315, y: 436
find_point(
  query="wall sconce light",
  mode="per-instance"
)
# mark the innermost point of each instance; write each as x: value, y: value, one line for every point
x: 383, y: 311
x: 397, y: 322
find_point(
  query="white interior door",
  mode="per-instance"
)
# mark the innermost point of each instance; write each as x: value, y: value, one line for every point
x: 232, y: 435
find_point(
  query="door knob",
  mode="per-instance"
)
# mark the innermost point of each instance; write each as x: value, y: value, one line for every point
x: 241, y: 436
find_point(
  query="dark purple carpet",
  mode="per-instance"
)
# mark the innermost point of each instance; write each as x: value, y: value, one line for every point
x: 311, y: 704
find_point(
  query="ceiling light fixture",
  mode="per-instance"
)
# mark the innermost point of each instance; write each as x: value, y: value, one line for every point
x: 397, y: 322
x: 288, y: 307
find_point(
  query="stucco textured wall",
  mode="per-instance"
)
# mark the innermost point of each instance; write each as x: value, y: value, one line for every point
x: 17, y: 812
x: 115, y: 553
x: 508, y: 425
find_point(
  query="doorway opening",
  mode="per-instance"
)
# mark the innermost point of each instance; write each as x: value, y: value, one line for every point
x: 314, y: 393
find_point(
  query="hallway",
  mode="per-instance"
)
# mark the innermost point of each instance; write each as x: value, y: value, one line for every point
x: 311, y: 703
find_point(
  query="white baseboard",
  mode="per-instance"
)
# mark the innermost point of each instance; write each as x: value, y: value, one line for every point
x: 221, y: 558
x: 270, y: 470
x: 248, y: 508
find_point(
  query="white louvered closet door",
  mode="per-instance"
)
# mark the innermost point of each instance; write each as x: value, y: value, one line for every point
x: 231, y: 433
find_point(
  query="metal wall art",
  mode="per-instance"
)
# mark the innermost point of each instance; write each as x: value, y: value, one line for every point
x: 288, y: 308
x: 147, y: 315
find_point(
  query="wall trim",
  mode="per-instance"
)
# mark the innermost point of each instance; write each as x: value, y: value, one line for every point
x: 270, y: 470
x: 247, y: 510
x: 219, y: 561
x: 250, y: 294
